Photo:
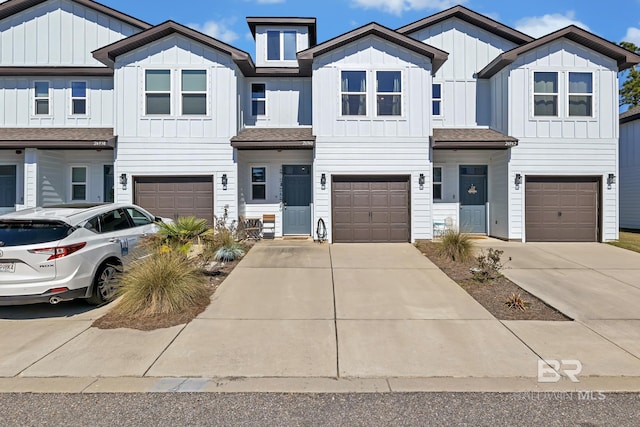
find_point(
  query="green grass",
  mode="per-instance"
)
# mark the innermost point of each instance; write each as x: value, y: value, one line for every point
x: 628, y: 240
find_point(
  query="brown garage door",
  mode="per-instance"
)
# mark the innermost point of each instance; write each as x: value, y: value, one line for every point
x: 171, y: 196
x: 370, y: 209
x: 562, y: 209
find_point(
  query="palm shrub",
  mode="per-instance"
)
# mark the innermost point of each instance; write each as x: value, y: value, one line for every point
x: 456, y: 245
x: 184, y: 230
x: 161, y: 283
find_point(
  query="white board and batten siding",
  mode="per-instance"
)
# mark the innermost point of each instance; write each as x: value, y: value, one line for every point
x: 17, y: 105
x: 629, y: 179
x: 58, y: 33
x: 372, y: 145
x: 287, y: 102
x: 563, y: 145
x: 466, y: 101
x: 273, y: 161
x: 175, y: 144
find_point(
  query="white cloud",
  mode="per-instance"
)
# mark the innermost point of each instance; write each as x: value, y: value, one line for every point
x: 396, y: 7
x: 633, y: 36
x: 537, y: 26
x: 217, y: 29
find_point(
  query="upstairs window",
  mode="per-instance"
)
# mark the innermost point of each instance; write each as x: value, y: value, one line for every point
x: 354, y: 93
x: 281, y: 45
x: 389, y: 93
x: 79, y: 98
x: 259, y: 183
x: 79, y: 183
x: 545, y: 94
x: 194, y: 92
x: 258, y: 99
x: 436, y: 99
x: 157, y: 91
x: 580, y: 94
x: 41, y: 98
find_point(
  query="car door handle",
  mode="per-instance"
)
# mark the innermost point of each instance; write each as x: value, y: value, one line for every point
x: 114, y: 240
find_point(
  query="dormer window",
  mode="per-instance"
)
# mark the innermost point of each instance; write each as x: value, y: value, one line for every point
x: 281, y: 45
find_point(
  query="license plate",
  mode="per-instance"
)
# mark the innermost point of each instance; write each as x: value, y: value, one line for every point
x: 7, y: 267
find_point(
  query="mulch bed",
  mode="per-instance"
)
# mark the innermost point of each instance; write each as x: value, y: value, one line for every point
x: 492, y: 294
x: 112, y: 320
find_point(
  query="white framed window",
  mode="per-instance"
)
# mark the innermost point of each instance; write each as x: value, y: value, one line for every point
x: 41, y: 97
x: 258, y: 99
x: 258, y: 183
x: 282, y: 45
x: 157, y: 86
x: 78, y: 183
x: 388, y: 93
x: 545, y: 93
x: 437, y: 183
x: 78, y: 98
x: 580, y: 94
x: 353, y: 93
x: 436, y: 99
x: 194, y: 92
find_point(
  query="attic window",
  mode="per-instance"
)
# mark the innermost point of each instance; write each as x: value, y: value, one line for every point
x: 281, y: 45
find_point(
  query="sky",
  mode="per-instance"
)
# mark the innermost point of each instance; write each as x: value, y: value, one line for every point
x: 614, y: 20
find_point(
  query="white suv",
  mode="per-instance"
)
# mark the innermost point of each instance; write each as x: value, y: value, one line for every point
x: 62, y: 252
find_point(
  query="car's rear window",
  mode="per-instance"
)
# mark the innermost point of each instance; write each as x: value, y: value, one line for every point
x: 16, y: 233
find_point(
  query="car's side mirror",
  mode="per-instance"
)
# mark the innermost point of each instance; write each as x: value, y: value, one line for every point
x: 158, y: 219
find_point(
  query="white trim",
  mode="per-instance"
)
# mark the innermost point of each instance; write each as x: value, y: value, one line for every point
x: 440, y: 100
x: 35, y: 98
x: 592, y: 94
x: 264, y: 99
x: 251, y: 182
x: 145, y: 92
x: 85, y: 183
x: 377, y: 93
x: 205, y: 92
x: 72, y: 98
x: 534, y: 94
x: 434, y: 182
x: 281, y: 33
x: 365, y: 93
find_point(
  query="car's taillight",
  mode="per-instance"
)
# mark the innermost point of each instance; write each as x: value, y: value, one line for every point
x: 60, y: 251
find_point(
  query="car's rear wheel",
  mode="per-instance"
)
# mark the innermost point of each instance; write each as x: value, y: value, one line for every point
x: 104, y: 284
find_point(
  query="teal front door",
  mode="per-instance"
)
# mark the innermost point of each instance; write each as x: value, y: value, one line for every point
x: 473, y: 199
x: 296, y: 199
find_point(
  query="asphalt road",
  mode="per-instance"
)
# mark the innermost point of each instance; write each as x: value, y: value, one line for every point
x: 271, y: 409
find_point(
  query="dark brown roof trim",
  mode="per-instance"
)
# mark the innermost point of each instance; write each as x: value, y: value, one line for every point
x: 59, y: 145
x: 57, y: 71
x: 630, y: 115
x: 273, y: 145
x: 471, y: 145
x: 310, y: 23
x: 276, y: 72
x: 471, y: 17
x: 12, y: 7
x: 437, y: 56
x: 623, y: 57
x: 108, y: 54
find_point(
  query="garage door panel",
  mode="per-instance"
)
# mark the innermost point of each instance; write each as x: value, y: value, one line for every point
x: 562, y: 208
x: 176, y: 196
x: 370, y: 209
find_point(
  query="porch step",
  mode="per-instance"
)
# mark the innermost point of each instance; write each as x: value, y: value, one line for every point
x: 297, y: 237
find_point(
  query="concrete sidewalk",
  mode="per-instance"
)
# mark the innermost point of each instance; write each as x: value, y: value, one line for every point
x: 303, y: 316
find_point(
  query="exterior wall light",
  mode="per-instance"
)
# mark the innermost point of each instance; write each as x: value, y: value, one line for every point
x: 611, y: 179
x: 323, y: 181
x: 123, y: 180
x: 421, y: 181
x: 518, y: 180
x: 225, y: 181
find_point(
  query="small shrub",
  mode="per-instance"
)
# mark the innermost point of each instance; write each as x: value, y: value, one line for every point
x: 229, y: 252
x: 161, y: 283
x: 489, y: 265
x: 455, y: 245
x: 516, y: 302
x: 184, y: 230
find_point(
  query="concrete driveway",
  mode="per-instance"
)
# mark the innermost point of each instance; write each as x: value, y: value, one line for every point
x: 596, y: 284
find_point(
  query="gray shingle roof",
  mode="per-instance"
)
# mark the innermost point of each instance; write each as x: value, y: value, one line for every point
x: 257, y: 138
x: 57, y: 137
x: 471, y: 138
x: 631, y: 114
